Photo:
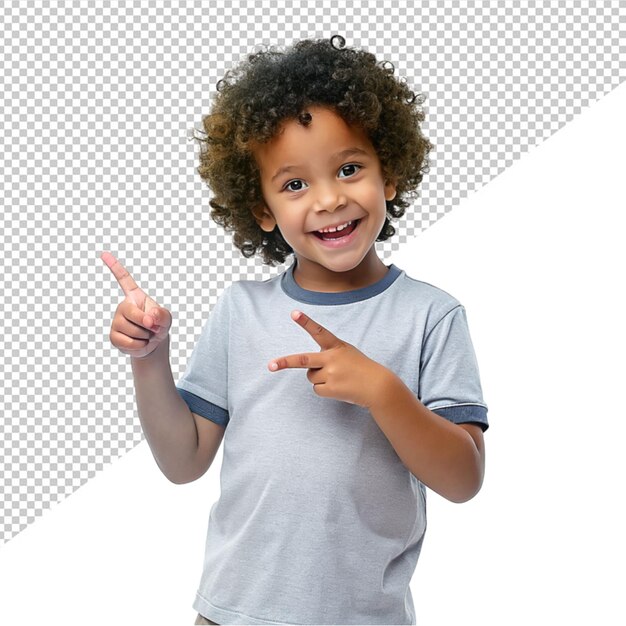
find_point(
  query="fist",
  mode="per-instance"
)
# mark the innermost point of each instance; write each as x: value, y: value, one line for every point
x: 139, y: 324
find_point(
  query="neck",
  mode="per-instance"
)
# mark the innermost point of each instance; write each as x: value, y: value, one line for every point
x: 317, y: 278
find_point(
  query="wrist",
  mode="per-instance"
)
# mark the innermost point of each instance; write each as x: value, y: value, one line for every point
x: 155, y: 354
x: 385, y: 388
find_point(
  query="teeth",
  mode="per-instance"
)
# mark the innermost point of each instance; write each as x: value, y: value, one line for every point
x: 333, y: 230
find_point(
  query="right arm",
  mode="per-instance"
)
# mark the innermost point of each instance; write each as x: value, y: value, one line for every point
x: 183, y: 443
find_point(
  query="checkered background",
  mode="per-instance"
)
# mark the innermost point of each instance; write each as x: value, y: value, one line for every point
x: 97, y: 102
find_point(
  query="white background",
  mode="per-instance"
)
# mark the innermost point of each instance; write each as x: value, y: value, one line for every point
x: 543, y: 542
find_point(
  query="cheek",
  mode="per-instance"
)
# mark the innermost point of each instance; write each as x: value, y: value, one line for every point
x: 378, y: 202
x: 289, y: 228
x: 375, y: 192
x: 286, y: 222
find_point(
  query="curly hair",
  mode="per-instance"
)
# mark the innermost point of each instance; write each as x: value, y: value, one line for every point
x: 270, y: 87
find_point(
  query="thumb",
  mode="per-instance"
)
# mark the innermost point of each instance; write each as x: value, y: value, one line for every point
x: 159, y: 316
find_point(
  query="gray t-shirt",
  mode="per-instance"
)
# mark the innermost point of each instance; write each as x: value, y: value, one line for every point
x: 318, y: 521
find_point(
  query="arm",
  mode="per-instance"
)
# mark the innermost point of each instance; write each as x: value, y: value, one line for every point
x: 183, y: 443
x: 449, y: 458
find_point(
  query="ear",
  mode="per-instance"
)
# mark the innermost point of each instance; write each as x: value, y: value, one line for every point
x: 390, y: 189
x: 264, y: 217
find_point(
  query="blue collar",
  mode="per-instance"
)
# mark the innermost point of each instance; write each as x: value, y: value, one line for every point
x: 293, y: 290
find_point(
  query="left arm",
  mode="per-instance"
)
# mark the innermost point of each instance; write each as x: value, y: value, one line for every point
x: 449, y: 458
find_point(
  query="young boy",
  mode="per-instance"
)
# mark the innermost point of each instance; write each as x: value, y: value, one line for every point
x: 341, y: 387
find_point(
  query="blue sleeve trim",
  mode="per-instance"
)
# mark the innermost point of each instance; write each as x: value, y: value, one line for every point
x: 207, y: 409
x: 464, y: 413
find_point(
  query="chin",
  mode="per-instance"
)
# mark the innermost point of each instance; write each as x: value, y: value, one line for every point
x: 341, y: 268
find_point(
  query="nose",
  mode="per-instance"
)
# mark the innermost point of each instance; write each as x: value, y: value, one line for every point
x: 330, y: 197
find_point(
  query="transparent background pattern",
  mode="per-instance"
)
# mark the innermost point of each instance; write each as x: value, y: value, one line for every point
x: 97, y: 102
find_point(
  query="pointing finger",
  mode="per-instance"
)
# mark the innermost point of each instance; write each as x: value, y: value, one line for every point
x: 121, y: 274
x: 306, y: 360
x: 323, y: 337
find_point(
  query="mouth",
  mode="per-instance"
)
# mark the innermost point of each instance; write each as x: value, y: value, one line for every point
x: 338, y: 232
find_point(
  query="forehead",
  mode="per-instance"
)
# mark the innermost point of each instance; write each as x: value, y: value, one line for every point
x: 326, y: 134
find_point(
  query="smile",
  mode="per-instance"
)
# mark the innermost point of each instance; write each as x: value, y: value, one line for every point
x: 338, y: 236
x: 337, y: 232
x: 332, y: 229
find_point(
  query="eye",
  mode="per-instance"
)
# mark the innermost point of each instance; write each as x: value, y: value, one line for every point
x: 349, y: 170
x: 296, y: 184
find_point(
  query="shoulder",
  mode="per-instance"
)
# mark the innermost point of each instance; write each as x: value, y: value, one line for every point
x: 245, y: 292
x: 412, y: 291
x: 426, y: 306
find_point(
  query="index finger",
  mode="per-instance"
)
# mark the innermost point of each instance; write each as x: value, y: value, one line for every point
x: 323, y: 337
x: 125, y: 280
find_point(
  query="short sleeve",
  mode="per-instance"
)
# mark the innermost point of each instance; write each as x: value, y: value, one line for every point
x: 449, y: 376
x: 204, y: 385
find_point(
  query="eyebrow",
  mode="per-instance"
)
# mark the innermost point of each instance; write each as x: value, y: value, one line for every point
x: 337, y: 156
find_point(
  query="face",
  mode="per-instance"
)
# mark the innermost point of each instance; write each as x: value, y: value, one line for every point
x: 322, y: 176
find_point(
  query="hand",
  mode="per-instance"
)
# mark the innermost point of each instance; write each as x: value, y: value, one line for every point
x: 139, y: 324
x: 339, y: 370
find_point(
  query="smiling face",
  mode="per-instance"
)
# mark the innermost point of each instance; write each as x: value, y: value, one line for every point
x: 325, y: 176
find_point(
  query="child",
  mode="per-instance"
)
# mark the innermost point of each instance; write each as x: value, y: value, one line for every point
x: 322, y: 512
